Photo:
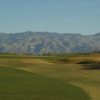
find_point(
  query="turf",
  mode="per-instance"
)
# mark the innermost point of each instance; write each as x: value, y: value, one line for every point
x: 20, y: 85
x: 81, y: 70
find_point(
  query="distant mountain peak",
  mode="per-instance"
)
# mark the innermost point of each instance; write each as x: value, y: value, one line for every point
x: 97, y: 33
x: 48, y: 42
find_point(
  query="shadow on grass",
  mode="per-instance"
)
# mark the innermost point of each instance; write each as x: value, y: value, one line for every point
x: 86, y: 62
x: 95, y: 66
x: 63, y: 61
x: 90, y: 65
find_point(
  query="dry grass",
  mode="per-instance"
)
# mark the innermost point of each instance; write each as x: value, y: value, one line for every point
x: 72, y: 73
x: 69, y: 71
x: 35, y: 62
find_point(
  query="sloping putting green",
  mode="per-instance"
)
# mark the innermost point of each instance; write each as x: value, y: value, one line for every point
x: 20, y: 85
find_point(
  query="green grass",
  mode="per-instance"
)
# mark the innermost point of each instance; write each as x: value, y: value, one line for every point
x: 20, y: 85
x: 62, y: 69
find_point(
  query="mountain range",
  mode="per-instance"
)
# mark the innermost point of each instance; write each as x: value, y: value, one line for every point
x: 48, y: 42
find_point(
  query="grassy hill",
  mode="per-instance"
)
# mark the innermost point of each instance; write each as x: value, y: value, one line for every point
x: 56, y: 77
x: 20, y: 85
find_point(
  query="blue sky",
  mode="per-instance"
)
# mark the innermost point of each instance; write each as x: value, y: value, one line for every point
x: 63, y: 16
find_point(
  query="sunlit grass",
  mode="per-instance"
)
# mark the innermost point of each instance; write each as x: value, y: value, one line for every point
x: 63, y: 68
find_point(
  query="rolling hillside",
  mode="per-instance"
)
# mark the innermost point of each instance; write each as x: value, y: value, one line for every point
x: 25, y: 77
x: 80, y: 71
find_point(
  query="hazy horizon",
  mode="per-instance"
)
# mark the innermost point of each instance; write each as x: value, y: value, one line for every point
x: 48, y: 32
x: 61, y: 16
